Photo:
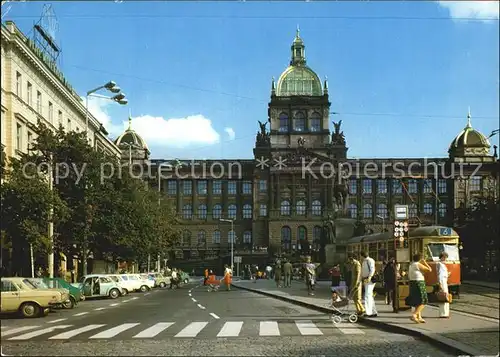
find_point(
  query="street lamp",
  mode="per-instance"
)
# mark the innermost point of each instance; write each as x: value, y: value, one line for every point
x: 383, y: 222
x: 233, y: 237
x: 111, y: 87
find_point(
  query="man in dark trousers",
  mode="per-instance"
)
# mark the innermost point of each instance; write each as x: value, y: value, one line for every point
x: 287, y: 272
x: 390, y: 282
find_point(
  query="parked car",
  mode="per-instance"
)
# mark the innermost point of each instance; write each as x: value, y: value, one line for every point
x: 129, y: 285
x: 75, y: 294
x: 97, y: 285
x: 66, y: 300
x: 19, y: 295
x: 184, y: 277
x: 159, y: 279
x: 146, y: 284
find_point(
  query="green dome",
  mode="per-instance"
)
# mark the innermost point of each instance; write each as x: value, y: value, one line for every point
x: 131, y: 138
x: 469, y: 141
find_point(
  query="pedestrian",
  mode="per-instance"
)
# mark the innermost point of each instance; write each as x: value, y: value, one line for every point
x: 355, y: 287
x: 418, y: 292
x: 173, y: 279
x: 443, y: 274
x: 287, y: 271
x: 206, y: 277
x: 368, y: 273
x: 277, y: 274
x: 268, y: 271
x: 335, y: 275
x: 310, y: 275
x: 390, y: 282
x: 228, y: 275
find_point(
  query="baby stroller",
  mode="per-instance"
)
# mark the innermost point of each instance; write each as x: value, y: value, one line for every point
x: 340, y: 306
x: 212, y: 283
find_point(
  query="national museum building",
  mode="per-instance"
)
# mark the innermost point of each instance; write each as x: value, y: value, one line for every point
x: 280, y: 199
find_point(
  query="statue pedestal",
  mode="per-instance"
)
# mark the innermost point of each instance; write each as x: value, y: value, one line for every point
x: 331, y: 254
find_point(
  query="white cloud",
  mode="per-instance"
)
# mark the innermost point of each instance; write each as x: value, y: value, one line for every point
x: 98, y: 108
x: 472, y: 9
x: 230, y: 133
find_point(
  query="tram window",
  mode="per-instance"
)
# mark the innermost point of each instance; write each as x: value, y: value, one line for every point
x: 434, y: 249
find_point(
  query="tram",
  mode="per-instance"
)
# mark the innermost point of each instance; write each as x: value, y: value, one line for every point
x: 428, y: 241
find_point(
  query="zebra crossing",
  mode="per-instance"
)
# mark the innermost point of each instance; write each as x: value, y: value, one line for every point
x: 195, y: 329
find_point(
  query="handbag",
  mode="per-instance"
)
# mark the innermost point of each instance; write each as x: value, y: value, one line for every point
x: 444, y: 297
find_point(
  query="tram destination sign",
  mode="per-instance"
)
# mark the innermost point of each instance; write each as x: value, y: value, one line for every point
x: 401, y: 211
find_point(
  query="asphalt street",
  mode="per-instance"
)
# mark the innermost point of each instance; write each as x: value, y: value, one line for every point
x: 193, y: 321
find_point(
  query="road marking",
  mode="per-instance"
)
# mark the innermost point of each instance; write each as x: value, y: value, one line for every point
x: 349, y: 329
x: 146, y: 294
x: 112, y: 332
x: 308, y: 328
x: 100, y: 308
x: 126, y: 300
x: 81, y: 314
x: 17, y: 330
x: 115, y: 304
x: 154, y: 330
x: 190, y: 294
x: 214, y: 315
x: 231, y: 329
x: 29, y: 335
x: 135, y: 298
x: 201, y: 306
x: 192, y: 330
x: 67, y: 335
x: 269, y: 328
x: 55, y: 321
x: 194, y: 300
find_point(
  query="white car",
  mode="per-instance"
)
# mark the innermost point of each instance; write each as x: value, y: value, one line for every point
x: 127, y: 285
x: 145, y: 280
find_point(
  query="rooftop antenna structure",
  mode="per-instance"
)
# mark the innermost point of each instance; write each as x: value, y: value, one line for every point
x: 44, y: 34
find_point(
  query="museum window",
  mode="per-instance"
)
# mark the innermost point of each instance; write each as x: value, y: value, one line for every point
x: 187, y: 212
x: 29, y: 92
x: 353, y: 210
x: 315, y: 122
x: 367, y: 187
x: 232, y: 211
x: 412, y: 186
x: 39, y: 102
x: 202, y: 187
x: 475, y: 184
x: 286, y: 238
x: 316, y: 208
x: 428, y: 209
x: 397, y: 189
x: 301, y: 208
x: 19, y: 83
x: 317, y: 232
x: 283, y: 123
x: 299, y: 122
x: 263, y: 185
x: 187, y: 187
x: 217, y: 211
x: 216, y: 237
x: 353, y: 186
x: 382, y: 186
x: 412, y: 210
x: 202, y: 238
x: 427, y: 186
x: 247, y: 237
x: 19, y: 136
x: 285, y: 208
x: 51, y: 112
x: 301, y: 235
x: 172, y: 187
x: 367, y: 211
x: 186, y: 238
x: 231, y: 237
x: 59, y: 118
x: 247, y: 187
x: 30, y: 139
x: 442, y: 186
x: 263, y: 210
x: 202, y: 211
x: 217, y: 187
x: 442, y: 209
x: 232, y: 188
x: 247, y: 211
x: 382, y: 210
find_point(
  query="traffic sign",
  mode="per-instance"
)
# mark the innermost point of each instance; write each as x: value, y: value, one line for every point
x: 237, y: 259
x: 401, y: 211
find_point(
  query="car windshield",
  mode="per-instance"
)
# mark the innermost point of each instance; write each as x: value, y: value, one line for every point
x: 435, y: 249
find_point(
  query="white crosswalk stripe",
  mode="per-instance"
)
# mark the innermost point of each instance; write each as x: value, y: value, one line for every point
x: 198, y: 329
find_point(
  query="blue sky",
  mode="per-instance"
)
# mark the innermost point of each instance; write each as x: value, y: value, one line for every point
x: 401, y: 86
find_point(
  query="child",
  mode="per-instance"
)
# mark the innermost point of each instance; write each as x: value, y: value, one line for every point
x: 335, y: 297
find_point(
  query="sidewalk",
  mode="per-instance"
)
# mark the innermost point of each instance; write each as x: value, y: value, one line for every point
x: 463, y: 334
x: 484, y: 284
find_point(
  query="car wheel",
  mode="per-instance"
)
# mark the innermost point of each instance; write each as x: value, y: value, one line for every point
x: 114, y: 293
x: 162, y: 285
x: 144, y: 288
x: 30, y: 309
x: 125, y: 292
x: 70, y: 304
x: 186, y: 281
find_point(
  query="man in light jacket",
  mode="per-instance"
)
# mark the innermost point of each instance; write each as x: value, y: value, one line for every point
x: 367, y: 273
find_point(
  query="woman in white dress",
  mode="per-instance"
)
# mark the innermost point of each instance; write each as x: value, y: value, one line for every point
x: 443, y: 274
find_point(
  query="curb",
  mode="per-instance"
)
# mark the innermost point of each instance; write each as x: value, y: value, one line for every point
x: 478, y: 285
x: 452, y: 346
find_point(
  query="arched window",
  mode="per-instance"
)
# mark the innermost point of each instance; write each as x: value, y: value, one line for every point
x: 353, y: 210
x: 285, y: 208
x: 317, y: 232
x: 299, y: 122
x: 316, y: 208
x: 428, y: 208
x: 413, y: 212
x: 286, y: 238
x: 367, y: 211
x: 382, y: 210
x: 283, y: 123
x: 247, y: 211
x: 187, y: 212
x: 247, y: 237
x: 217, y: 211
x: 202, y: 238
x: 301, y: 235
x: 442, y: 209
x: 216, y: 237
x: 231, y: 237
x: 301, y: 208
x: 202, y: 211
x: 231, y: 211
x: 315, y: 122
x: 186, y: 238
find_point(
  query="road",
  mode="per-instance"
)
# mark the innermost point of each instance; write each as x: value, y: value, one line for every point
x: 192, y: 321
